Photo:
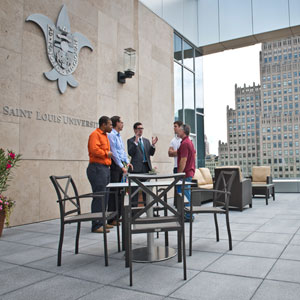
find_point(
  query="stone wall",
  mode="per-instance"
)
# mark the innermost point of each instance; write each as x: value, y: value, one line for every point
x: 49, y: 147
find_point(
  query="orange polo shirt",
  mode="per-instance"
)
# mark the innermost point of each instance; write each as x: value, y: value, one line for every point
x: 98, y: 147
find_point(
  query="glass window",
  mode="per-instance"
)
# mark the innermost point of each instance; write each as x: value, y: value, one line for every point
x: 178, y: 91
x: 188, y: 94
x: 199, y: 82
x: 177, y: 48
x: 188, y: 55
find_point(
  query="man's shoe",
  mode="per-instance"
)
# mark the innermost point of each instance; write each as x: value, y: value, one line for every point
x: 100, y: 230
x: 109, y: 226
x: 187, y: 219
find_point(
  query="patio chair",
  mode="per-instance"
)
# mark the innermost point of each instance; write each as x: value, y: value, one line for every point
x: 172, y: 220
x: 241, y: 192
x: 221, y: 198
x: 262, y: 184
x: 70, y: 212
x: 203, y: 179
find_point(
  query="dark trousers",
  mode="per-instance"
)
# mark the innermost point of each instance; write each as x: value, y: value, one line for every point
x: 136, y: 197
x: 99, y: 177
x: 116, y: 174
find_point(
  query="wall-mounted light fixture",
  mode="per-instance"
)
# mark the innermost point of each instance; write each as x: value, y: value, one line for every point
x: 129, y: 65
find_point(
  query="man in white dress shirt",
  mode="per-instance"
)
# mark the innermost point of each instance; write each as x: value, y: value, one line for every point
x: 175, y: 144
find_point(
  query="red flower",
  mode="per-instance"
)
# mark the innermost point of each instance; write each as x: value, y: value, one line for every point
x: 8, y: 166
x: 12, y: 155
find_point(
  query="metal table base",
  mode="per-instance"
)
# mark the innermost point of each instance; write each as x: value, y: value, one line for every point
x: 153, y: 254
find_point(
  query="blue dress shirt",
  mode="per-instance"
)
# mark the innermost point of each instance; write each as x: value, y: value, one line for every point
x: 117, y: 148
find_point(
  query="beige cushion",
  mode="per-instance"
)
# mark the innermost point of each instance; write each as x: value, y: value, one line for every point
x: 233, y: 167
x: 260, y: 173
x: 206, y: 186
x: 198, y: 176
x: 206, y: 175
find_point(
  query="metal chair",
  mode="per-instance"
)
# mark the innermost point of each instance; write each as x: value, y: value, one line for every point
x: 137, y: 222
x: 70, y: 212
x: 221, y: 197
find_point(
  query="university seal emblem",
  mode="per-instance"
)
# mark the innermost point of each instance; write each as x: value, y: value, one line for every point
x: 63, y: 47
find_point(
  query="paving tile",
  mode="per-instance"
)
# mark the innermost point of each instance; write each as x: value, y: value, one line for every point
x: 242, y: 226
x: 242, y: 265
x: 69, y: 262
x: 17, y: 277
x: 5, y: 266
x: 276, y: 228
x: 286, y: 270
x: 211, y: 245
x: 295, y: 240
x: 97, y: 272
x: 258, y: 249
x: 7, y: 248
x: 115, y: 293
x: 237, y: 235
x: 269, y: 237
x: 28, y: 255
x: 98, y: 248
x: 291, y: 252
x: 210, y: 286
x: 58, y: 287
x: 277, y: 290
x: 18, y: 235
x: 198, y: 261
x: 152, y: 277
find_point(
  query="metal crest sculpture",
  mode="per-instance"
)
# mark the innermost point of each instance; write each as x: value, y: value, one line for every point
x: 63, y: 47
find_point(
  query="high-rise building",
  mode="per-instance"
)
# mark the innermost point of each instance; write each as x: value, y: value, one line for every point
x: 280, y: 79
x: 264, y: 130
x: 243, y: 136
x: 206, y: 144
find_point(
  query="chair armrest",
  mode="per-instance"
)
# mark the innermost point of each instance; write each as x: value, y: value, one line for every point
x: 195, y: 181
x: 269, y: 179
x: 89, y: 195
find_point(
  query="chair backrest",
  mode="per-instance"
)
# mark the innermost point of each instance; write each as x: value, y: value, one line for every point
x: 65, y: 188
x: 198, y: 176
x: 229, y: 168
x: 206, y: 175
x: 223, y: 183
x: 157, y: 198
x: 260, y: 173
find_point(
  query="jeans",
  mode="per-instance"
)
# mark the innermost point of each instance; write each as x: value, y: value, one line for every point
x: 99, y: 177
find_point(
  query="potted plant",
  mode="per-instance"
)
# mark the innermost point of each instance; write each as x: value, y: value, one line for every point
x: 8, y: 160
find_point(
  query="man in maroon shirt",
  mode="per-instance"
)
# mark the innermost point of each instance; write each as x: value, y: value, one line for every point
x: 186, y: 159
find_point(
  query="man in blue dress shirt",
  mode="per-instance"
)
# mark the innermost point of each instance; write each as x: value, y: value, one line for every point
x: 119, y: 163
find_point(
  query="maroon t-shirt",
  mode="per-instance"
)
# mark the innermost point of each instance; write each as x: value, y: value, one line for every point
x: 187, y: 150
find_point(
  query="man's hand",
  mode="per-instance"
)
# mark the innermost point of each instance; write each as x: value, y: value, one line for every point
x: 109, y: 154
x: 130, y: 166
x: 154, y: 140
x: 172, y: 152
x: 124, y: 170
x: 136, y: 139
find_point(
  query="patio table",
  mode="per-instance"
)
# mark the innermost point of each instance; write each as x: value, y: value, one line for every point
x: 263, y: 189
x: 150, y: 253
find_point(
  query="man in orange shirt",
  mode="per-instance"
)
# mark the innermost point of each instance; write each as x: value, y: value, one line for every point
x: 98, y: 171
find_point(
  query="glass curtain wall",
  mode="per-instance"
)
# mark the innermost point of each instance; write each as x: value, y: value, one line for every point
x: 188, y: 92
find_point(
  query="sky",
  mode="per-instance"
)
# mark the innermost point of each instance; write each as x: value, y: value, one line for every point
x: 221, y: 71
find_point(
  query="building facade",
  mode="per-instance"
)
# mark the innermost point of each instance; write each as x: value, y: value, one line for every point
x: 280, y: 80
x: 243, y: 135
x: 51, y: 129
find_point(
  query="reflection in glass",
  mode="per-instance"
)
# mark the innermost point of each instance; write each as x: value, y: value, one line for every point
x: 188, y: 55
x: 177, y: 48
x: 200, y: 141
x: 178, y: 91
x: 199, y: 82
x: 188, y: 92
